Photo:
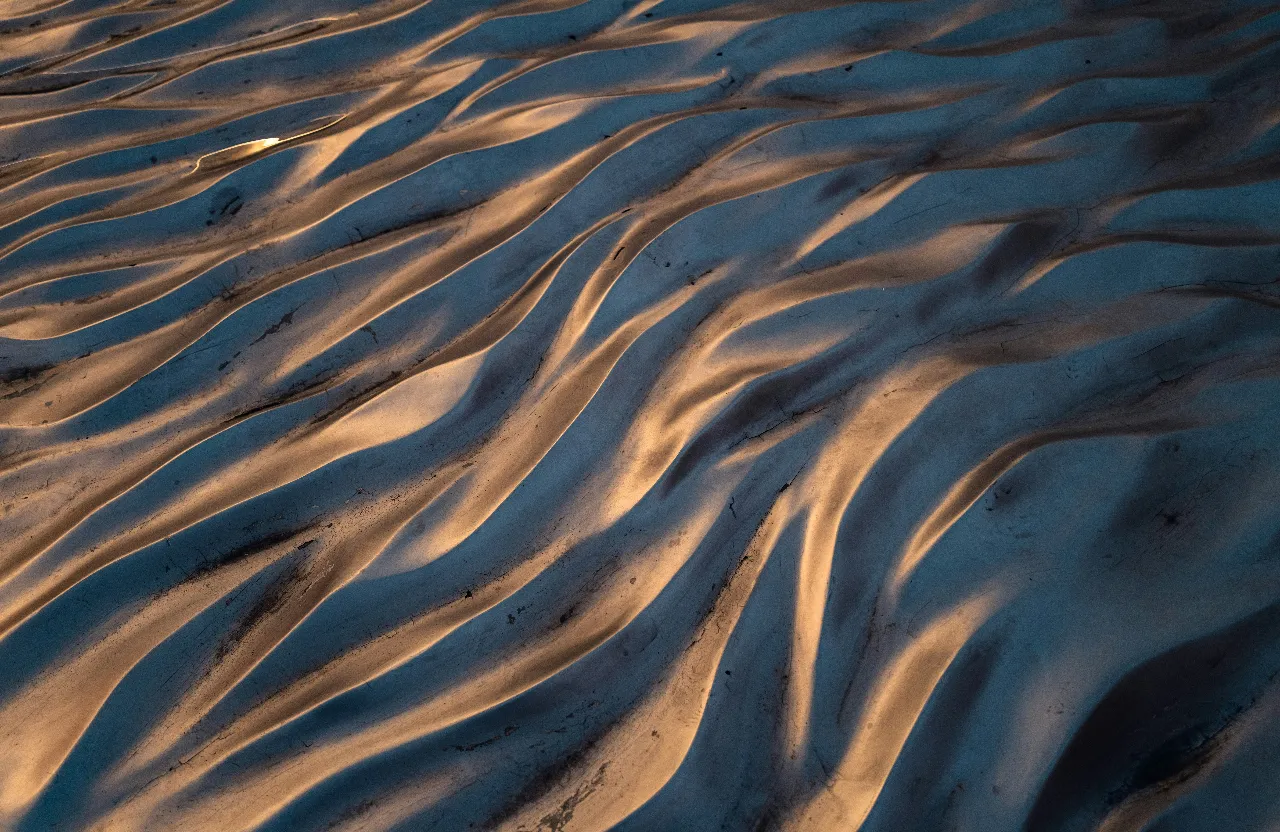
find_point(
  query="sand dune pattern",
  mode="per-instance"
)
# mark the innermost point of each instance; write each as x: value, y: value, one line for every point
x: 639, y: 415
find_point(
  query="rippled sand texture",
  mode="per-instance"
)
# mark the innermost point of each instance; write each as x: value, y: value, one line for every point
x: 638, y: 415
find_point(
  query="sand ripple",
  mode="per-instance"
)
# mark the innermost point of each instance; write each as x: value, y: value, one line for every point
x: 639, y: 415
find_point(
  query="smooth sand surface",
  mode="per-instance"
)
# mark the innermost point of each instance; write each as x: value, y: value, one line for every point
x: 639, y: 414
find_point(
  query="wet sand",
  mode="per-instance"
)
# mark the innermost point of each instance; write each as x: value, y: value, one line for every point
x: 638, y: 415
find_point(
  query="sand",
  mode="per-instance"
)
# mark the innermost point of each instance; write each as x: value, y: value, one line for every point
x: 639, y: 415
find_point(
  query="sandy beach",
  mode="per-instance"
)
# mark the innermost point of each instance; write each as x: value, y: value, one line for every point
x: 639, y: 415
